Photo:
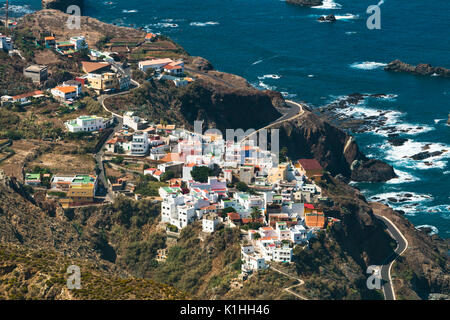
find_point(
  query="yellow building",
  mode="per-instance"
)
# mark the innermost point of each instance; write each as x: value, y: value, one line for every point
x: 102, y: 82
x: 277, y: 174
x: 82, y: 193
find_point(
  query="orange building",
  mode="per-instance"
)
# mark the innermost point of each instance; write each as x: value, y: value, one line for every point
x: 315, y: 220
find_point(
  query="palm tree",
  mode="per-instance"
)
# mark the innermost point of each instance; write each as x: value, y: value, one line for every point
x: 256, y: 213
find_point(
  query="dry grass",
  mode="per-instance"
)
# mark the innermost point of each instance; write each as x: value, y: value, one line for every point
x: 60, y: 160
x: 22, y: 148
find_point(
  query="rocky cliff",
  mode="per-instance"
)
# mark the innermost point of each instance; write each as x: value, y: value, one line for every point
x: 309, y: 136
x: 423, y: 271
x: 421, y: 69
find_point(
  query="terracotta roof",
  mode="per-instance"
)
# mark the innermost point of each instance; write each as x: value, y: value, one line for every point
x: 211, y: 207
x: 67, y: 89
x: 234, y: 216
x: 150, y: 36
x: 90, y: 67
x: 170, y: 67
x: 170, y: 157
x: 29, y: 94
x: 310, y: 164
x: 309, y: 206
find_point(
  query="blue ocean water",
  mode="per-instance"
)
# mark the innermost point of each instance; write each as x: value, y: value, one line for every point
x: 282, y: 47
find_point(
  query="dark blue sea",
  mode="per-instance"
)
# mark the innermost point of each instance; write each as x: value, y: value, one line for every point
x: 283, y: 47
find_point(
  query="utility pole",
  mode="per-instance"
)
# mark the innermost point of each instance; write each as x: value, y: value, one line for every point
x: 7, y: 18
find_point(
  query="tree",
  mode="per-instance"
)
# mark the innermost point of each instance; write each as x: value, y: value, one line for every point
x: 201, y: 173
x: 255, y: 214
x: 167, y: 175
x: 242, y: 186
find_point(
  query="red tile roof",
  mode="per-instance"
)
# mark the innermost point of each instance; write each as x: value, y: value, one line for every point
x: 234, y: 216
x: 27, y: 95
x: 310, y: 164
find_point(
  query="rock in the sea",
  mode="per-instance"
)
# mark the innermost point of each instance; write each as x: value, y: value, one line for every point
x: 397, y: 142
x: 420, y: 69
x: 448, y: 121
x: 426, y: 155
x: 425, y: 229
x: 328, y: 18
x: 373, y: 171
x: 306, y: 3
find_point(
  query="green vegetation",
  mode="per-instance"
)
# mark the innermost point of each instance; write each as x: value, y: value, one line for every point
x: 242, y: 186
x: 148, y: 186
x: 201, y: 173
x: 26, y: 272
x: 166, y: 176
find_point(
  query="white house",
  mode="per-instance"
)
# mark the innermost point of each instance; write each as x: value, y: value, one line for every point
x: 251, y: 261
x: 73, y: 83
x: 79, y: 42
x: 87, y: 124
x: 156, y: 64
x: 134, y: 122
x: 65, y: 92
x: 139, y: 144
x: 210, y: 222
x: 5, y: 43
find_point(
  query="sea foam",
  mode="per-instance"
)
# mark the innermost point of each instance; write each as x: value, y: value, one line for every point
x: 368, y: 65
x: 328, y: 4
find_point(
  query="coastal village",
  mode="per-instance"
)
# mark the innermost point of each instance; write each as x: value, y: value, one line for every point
x: 116, y: 155
x: 196, y: 177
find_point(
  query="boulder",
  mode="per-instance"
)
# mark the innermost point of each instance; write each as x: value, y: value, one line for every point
x: 328, y: 18
x: 372, y: 171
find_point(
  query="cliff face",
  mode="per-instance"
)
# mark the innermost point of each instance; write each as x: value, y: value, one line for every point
x: 61, y: 4
x: 309, y: 136
x: 424, y: 269
x: 421, y: 69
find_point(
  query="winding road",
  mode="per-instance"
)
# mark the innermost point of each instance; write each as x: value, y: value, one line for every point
x: 296, y: 109
x: 118, y: 125
x: 402, y: 245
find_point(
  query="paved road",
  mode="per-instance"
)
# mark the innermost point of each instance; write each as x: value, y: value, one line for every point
x: 118, y: 125
x: 296, y: 109
x: 103, y: 97
x: 402, y: 245
x: 99, y: 159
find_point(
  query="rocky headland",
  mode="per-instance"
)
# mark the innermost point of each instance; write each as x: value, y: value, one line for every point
x: 422, y: 69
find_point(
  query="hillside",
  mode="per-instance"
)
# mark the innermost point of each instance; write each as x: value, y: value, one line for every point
x: 117, y: 244
x: 37, y: 244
